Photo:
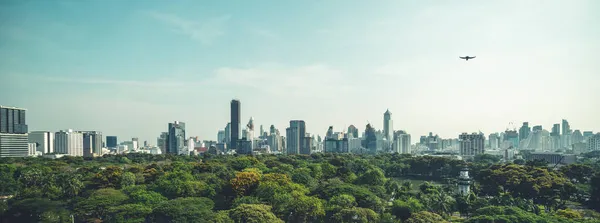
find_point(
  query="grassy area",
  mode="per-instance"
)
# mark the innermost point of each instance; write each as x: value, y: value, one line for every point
x: 417, y: 182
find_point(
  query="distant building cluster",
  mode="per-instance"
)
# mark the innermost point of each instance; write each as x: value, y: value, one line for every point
x: 560, y: 145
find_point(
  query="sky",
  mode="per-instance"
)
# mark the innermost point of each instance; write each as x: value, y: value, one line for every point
x: 128, y: 68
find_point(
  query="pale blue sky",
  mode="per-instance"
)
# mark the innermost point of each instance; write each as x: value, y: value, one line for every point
x: 127, y: 68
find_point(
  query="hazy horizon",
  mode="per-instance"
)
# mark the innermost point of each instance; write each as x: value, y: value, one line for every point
x: 129, y: 68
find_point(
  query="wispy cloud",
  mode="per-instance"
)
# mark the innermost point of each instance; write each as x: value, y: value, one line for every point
x: 126, y: 83
x: 316, y: 80
x: 203, y: 31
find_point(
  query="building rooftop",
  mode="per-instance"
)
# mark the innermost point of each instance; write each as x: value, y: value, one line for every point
x: 2, y: 106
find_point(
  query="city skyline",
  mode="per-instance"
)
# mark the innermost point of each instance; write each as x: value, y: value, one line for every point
x: 128, y: 71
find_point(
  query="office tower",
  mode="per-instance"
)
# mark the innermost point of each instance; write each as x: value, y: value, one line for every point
x: 566, y: 128
x: 68, y: 142
x: 136, y: 143
x: 405, y: 144
x: 295, y: 135
x: 494, y: 140
x: 44, y: 141
x: 308, y: 145
x: 370, y: 141
x: 236, y: 127
x: 352, y: 132
x: 587, y: 135
x: 576, y: 137
x: 161, y: 142
x: 272, y: 130
x: 191, y: 145
x: 388, y: 129
x: 13, y: 132
x: 12, y: 120
x: 262, y: 131
x: 593, y: 143
x: 329, y: 133
x: 111, y: 142
x: 471, y: 144
x: 566, y: 134
x: 92, y: 143
x: 524, y: 131
x: 512, y: 137
x: 176, y: 138
x: 555, y: 137
x: 221, y: 136
x: 228, y: 134
x: 537, y: 127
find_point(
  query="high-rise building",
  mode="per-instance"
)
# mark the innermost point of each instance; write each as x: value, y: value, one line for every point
x: 587, y: 134
x: 576, y: 137
x: 370, y: 141
x: 13, y: 132
x: 524, y: 131
x: 111, y: 142
x: 388, y: 127
x: 401, y: 142
x: 44, y: 141
x: 13, y: 145
x: 92, y: 143
x: 221, y: 136
x: 471, y: 144
x: 494, y: 141
x: 262, y: 131
x: 512, y: 137
x: 566, y: 128
x: 176, y: 138
x: 12, y: 120
x: 352, y: 132
x: 555, y: 137
x: 136, y: 143
x: 228, y: 134
x: 69, y: 143
x: 236, y: 127
x: 565, y: 137
x: 295, y: 135
x: 308, y: 147
x: 161, y: 142
x: 593, y: 143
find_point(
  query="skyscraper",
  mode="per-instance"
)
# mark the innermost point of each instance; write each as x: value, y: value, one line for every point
x: 13, y: 132
x: 236, y: 127
x: 161, y: 142
x: 44, y: 141
x: 352, y: 132
x: 228, y: 134
x: 221, y: 136
x: 566, y: 134
x: 388, y: 129
x: 471, y: 144
x: 68, y: 142
x: 111, y: 142
x: 524, y: 131
x: 92, y: 143
x: 295, y: 135
x: 176, y: 138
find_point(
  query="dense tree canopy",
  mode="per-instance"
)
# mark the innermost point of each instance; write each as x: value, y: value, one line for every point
x: 386, y: 188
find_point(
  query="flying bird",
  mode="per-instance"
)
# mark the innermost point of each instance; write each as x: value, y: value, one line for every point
x: 467, y: 58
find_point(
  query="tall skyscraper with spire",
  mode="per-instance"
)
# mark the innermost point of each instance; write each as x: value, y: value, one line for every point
x: 388, y: 129
x: 236, y: 127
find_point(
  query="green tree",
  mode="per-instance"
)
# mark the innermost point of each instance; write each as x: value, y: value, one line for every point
x: 355, y: 215
x: 96, y: 206
x: 190, y: 209
x: 127, y: 179
x: 425, y: 217
x: 253, y: 213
